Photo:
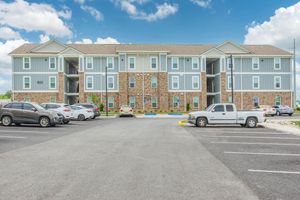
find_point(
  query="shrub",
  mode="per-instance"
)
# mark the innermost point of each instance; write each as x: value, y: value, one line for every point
x: 101, y: 107
x: 298, y: 108
x: 188, y: 107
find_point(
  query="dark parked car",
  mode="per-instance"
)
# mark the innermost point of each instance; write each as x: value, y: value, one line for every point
x: 28, y: 113
x: 91, y: 106
x: 281, y: 110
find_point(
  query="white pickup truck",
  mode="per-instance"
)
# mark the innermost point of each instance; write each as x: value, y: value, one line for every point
x: 226, y: 114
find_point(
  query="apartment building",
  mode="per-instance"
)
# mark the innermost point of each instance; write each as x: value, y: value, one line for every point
x: 153, y: 77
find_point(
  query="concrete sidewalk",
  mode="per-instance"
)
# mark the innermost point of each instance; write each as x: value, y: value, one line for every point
x: 162, y: 116
x: 282, y: 125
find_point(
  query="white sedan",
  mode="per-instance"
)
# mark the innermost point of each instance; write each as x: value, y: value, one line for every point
x: 82, y: 113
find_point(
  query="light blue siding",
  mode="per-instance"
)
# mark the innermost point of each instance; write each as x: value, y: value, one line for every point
x: 189, y: 82
x: 99, y: 82
x: 40, y: 64
x: 185, y: 81
x: 38, y: 82
x: 122, y: 59
x: 180, y: 65
x: 163, y: 63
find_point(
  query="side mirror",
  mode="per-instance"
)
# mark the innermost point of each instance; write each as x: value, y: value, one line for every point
x: 213, y: 110
x: 34, y: 109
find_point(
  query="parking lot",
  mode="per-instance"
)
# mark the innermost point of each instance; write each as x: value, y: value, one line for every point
x: 130, y: 158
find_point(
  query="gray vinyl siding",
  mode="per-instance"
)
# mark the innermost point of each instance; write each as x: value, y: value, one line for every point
x: 42, y: 78
x: 217, y: 83
x: 99, y: 81
x: 189, y: 65
x: 185, y: 80
x: 180, y: 65
x: 40, y: 64
x: 122, y: 59
x: 99, y: 64
x: 163, y: 63
x: 189, y: 81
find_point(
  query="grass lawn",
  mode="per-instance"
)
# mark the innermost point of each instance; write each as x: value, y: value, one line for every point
x: 297, y: 123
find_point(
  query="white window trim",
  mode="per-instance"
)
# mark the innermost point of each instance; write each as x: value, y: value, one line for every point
x: 24, y: 63
x: 113, y: 81
x: 86, y: 62
x: 134, y: 102
x: 258, y: 80
x: 173, y: 61
x: 156, y: 61
x: 156, y: 101
x: 193, y: 81
x: 128, y: 65
x: 154, y: 77
x: 173, y: 80
x: 229, y: 62
x: 173, y: 102
x: 113, y: 102
x: 50, y: 63
x: 228, y: 81
x: 24, y: 77
x: 198, y: 99
x: 113, y: 63
x: 130, y: 78
x: 275, y: 82
x: 87, y: 82
x: 193, y: 62
x: 50, y: 77
x: 279, y: 59
x: 255, y: 60
x: 275, y: 100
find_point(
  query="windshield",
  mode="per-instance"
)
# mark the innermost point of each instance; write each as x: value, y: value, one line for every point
x: 209, y: 107
x: 37, y: 106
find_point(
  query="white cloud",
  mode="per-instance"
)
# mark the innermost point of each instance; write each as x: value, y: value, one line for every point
x: 80, y: 1
x: 7, y: 33
x: 35, y: 17
x: 84, y: 41
x: 93, y: 11
x: 99, y: 40
x: 44, y: 38
x: 202, y: 3
x: 162, y: 10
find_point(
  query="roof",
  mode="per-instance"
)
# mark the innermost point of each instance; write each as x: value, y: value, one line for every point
x: 175, y: 49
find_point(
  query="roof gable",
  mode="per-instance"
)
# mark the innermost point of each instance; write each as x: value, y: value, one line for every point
x: 70, y: 51
x: 52, y: 46
x: 232, y: 48
x: 213, y: 52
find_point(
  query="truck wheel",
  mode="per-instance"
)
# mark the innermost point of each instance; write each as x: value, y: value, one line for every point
x: 251, y: 122
x: 6, y: 120
x: 201, y: 122
x: 44, y: 122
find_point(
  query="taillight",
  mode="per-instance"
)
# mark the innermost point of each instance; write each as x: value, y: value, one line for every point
x: 89, y: 110
x: 97, y: 109
x: 130, y: 110
x: 67, y: 110
x: 121, y: 110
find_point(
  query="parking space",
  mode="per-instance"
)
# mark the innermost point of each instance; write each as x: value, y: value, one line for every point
x: 267, y: 161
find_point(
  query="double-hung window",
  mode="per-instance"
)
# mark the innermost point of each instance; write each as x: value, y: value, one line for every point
x: 52, y: 63
x: 110, y: 82
x: 26, y: 82
x: 89, y: 62
x: 229, y: 64
x: 255, y: 101
x: 26, y: 62
x: 131, y: 82
x: 52, y: 82
x: 277, y: 100
x: 255, y: 63
x: 153, y: 82
x: 132, y: 101
x: 277, y: 63
x: 89, y: 82
x: 175, y: 63
x: 277, y: 82
x: 195, y: 82
x: 175, y: 82
x: 154, y: 102
x: 131, y: 63
x: 52, y: 99
x: 111, y: 102
x: 230, y: 83
x: 196, y: 102
x: 195, y: 63
x: 176, y: 101
x: 153, y: 62
x: 255, y: 82
x: 110, y: 62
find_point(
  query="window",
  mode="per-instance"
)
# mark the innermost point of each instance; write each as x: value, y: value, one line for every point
x: 110, y: 82
x: 277, y: 82
x: 195, y: 63
x: 219, y: 108
x: 89, y: 99
x: 53, y: 99
x: 131, y: 62
x: 255, y: 101
x: 27, y: 106
x: 131, y: 82
x: 26, y: 63
x: 153, y: 62
x: 154, y: 102
x: 196, y: 102
x: 110, y: 62
x: 229, y: 108
x: 26, y: 82
x: 255, y: 82
x: 229, y: 82
x: 52, y: 82
x: 175, y: 61
x: 52, y: 63
x: 26, y: 99
x: 175, y: 82
x: 229, y: 99
x: 277, y: 100
x: 89, y: 62
x: 111, y: 102
x: 153, y: 82
x: 132, y: 102
x: 89, y: 82
x: 229, y: 63
x: 176, y: 102
x: 17, y: 106
x: 255, y: 63
x: 195, y: 82
x: 277, y: 63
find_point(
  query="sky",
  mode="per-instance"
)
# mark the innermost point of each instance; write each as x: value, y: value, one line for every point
x: 274, y: 22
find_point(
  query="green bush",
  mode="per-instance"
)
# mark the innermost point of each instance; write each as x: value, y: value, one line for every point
x: 101, y: 107
x: 188, y: 107
x: 298, y: 108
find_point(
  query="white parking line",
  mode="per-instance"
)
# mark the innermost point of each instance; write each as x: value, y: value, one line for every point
x: 252, y: 137
x: 21, y: 131
x: 274, y: 171
x: 12, y: 137
x: 257, y: 143
x: 242, y: 132
x: 262, y: 154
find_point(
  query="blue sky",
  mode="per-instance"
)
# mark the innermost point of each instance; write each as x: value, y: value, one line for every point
x: 145, y: 21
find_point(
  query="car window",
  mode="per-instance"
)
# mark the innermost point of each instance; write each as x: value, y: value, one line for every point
x: 16, y: 106
x: 219, y: 108
x: 8, y: 105
x: 52, y: 106
x: 28, y: 106
x: 229, y: 108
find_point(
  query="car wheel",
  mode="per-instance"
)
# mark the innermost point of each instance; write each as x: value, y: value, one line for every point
x: 6, y: 120
x: 81, y: 117
x: 278, y: 113
x: 66, y: 122
x: 44, y: 122
x: 251, y: 122
x: 290, y: 114
x: 201, y: 122
x: 94, y: 117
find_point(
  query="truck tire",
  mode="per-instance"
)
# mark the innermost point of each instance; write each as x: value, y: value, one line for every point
x: 201, y: 122
x: 251, y: 122
x: 6, y: 121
